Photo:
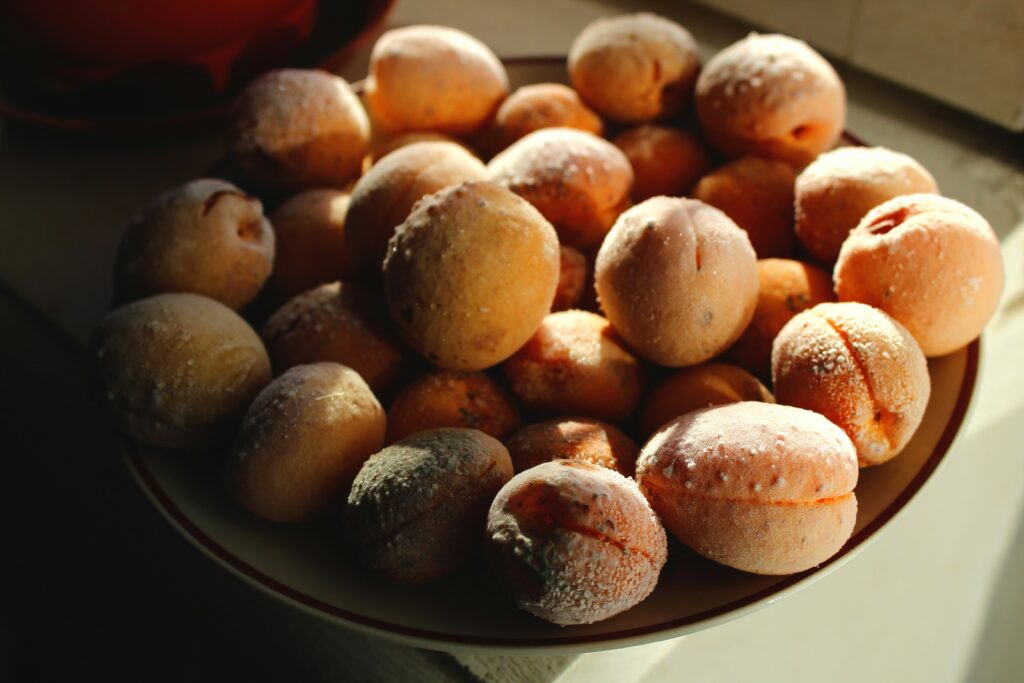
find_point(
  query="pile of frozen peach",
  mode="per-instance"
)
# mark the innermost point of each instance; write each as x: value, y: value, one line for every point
x: 474, y: 305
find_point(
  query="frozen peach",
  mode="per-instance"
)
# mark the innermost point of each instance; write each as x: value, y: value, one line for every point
x: 771, y: 96
x: 931, y: 263
x: 302, y: 441
x: 573, y: 438
x: 677, y: 279
x: 757, y: 194
x: 634, y: 68
x: 573, y: 542
x: 760, y: 487
x: 470, y: 275
x: 785, y: 288
x: 536, y: 106
x: 434, y: 78
x: 310, y: 230
x: 573, y: 277
x: 386, y: 146
x: 342, y: 322
x: 297, y: 128
x: 575, y: 364
x: 700, y: 386
x: 839, y: 187
x: 383, y: 198
x: 447, y: 398
x: 665, y: 161
x: 417, y: 509
x: 205, y: 237
x: 578, y: 181
x: 178, y: 370
x: 859, y: 368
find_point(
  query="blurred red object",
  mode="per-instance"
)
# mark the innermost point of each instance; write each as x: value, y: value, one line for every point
x: 150, y: 64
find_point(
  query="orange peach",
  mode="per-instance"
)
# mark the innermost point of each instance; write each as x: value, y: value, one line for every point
x: 383, y: 147
x: 296, y: 128
x: 470, y: 275
x: 302, y: 441
x: 634, y: 67
x: 677, y: 279
x: 931, y: 263
x: 575, y: 364
x: 310, y: 230
x: 417, y: 508
x: 205, y: 237
x: 785, y: 288
x: 578, y: 181
x: 839, y: 187
x: 434, y: 78
x: 573, y: 542
x: 536, y: 106
x: 573, y: 275
x: 666, y: 161
x: 573, y: 438
x: 859, y: 368
x: 178, y: 370
x: 757, y: 194
x: 760, y: 487
x: 696, y: 387
x: 343, y: 322
x: 445, y: 398
x: 383, y: 198
x: 771, y: 96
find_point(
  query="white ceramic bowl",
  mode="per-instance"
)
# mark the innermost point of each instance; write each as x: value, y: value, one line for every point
x: 308, y: 566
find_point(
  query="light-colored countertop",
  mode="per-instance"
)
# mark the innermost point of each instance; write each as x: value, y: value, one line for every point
x: 935, y: 597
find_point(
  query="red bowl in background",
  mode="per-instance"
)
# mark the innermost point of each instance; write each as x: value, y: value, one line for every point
x: 158, y: 64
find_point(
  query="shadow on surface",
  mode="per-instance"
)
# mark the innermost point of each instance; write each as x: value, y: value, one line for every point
x: 997, y: 655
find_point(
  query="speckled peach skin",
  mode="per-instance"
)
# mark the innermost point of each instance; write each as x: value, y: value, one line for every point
x: 204, y: 237
x: 302, y: 441
x: 447, y: 398
x: 383, y: 198
x: 677, y: 279
x: 296, y: 128
x: 178, y: 370
x: 417, y: 509
x: 785, y: 288
x: 771, y: 96
x: 859, y: 368
x: 575, y: 364
x: 700, y: 386
x: 341, y: 322
x: 578, y: 181
x: 931, y: 263
x: 666, y: 161
x: 573, y: 438
x: 760, y: 487
x: 536, y: 106
x: 434, y: 78
x: 835, y: 191
x: 634, y: 68
x: 310, y: 231
x: 573, y: 278
x: 385, y: 146
x: 455, y: 296
x: 757, y: 194
x: 574, y: 543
